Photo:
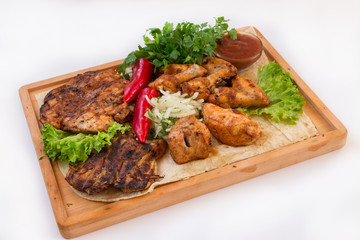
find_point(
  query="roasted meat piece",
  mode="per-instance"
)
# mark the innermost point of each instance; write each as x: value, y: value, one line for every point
x: 243, y: 93
x: 189, y: 139
x: 199, y: 85
x: 175, y: 74
x: 231, y: 127
x: 87, y: 103
x: 218, y: 71
x: 127, y: 165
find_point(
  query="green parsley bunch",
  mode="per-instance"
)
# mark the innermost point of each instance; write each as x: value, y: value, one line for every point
x: 187, y: 43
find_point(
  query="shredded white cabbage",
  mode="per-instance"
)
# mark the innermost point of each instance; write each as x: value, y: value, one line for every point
x: 170, y: 107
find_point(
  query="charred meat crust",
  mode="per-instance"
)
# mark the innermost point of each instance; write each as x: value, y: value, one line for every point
x: 127, y: 165
x: 88, y: 103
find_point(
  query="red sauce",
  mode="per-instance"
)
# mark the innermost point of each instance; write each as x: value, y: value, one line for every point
x: 240, y: 49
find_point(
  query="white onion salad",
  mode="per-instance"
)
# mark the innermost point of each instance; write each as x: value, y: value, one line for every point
x: 170, y: 107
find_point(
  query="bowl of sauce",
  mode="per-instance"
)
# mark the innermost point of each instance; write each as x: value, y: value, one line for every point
x: 242, y: 51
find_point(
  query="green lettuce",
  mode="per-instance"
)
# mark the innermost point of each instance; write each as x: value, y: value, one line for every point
x: 74, y: 148
x: 285, y: 101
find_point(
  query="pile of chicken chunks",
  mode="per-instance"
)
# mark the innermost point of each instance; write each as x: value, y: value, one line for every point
x: 217, y: 82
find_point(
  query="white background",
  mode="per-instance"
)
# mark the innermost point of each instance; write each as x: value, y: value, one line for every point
x: 315, y: 199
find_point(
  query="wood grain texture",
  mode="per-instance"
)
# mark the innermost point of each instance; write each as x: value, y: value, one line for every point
x: 76, y: 216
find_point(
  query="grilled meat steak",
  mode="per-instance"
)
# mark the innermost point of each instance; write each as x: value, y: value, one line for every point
x: 127, y: 165
x: 88, y: 103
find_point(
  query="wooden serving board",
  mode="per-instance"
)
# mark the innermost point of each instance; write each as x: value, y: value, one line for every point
x: 76, y: 216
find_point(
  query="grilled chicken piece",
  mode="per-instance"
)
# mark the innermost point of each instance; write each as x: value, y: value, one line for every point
x: 165, y: 82
x: 243, y: 93
x: 218, y: 71
x: 189, y: 139
x: 87, y: 103
x: 231, y: 127
x: 127, y: 165
x: 199, y: 85
x: 175, y: 74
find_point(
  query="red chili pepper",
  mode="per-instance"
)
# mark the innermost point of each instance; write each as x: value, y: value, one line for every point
x: 141, y: 124
x: 141, y: 73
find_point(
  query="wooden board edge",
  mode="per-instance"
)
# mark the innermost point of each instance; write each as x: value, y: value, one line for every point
x: 201, y: 184
x: 65, y: 77
x: 44, y: 162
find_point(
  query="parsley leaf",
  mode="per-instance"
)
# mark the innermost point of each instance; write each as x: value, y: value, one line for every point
x: 186, y: 43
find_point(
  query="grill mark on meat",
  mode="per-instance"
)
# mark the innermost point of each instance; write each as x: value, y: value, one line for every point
x: 88, y: 103
x: 127, y: 165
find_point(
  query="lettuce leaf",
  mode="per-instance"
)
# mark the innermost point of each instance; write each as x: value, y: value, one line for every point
x: 285, y: 101
x: 73, y: 148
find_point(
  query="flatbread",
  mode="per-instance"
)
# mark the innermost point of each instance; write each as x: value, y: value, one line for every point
x: 274, y: 135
